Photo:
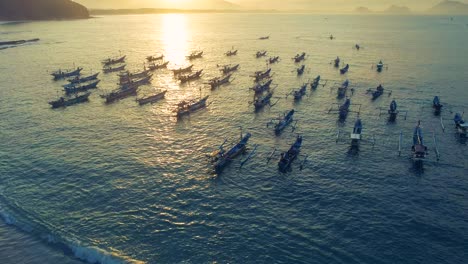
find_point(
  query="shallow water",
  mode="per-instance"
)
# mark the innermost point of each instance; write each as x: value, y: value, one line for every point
x: 130, y: 183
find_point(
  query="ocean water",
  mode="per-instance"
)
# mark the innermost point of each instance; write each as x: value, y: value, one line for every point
x: 123, y: 183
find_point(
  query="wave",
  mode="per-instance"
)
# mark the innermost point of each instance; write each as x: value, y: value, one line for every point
x: 89, y: 254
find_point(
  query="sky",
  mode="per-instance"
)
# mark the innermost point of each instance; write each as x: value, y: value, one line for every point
x: 319, y: 5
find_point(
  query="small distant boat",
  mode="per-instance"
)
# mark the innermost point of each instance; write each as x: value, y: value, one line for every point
x: 126, y: 77
x: 380, y: 66
x: 332, y: 37
x: 260, y: 88
x: 154, y: 58
x: 301, y: 70
x: 264, y: 38
x: 73, y: 88
x: 79, y: 79
x: 154, y: 67
x: 345, y: 69
x: 182, y: 70
x: 343, y: 89
x: 378, y: 92
x: 113, y: 96
x: 284, y: 122
x: 66, y: 73
x: 190, y: 77
x: 300, y: 93
x: 195, y: 55
x: 315, y: 83
x: 216, y: 82
x: 437, y: 105
x: 231, y: 53
x: 260, y: 54
x: 356, y: 135
x: 64, y: 102
x: 136, y: 82
x: 152, y: 98
x: 262, y: 100
x: 288, y: 157
x: 299, y: 57
x: 273, y: 59
x: 229, y: 68
x: 460, y: 125
x: 110, y: 61
x: 419, y: 149
x: 357, y: 46
x: 336, y: 62
x: 108, y: 69
x: 260, y: 75
x: 344, y: 109
x: 190, y: 106
x: 392, y: 111
x: 221, y: 159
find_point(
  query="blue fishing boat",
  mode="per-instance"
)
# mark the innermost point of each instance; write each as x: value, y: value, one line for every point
x: 437, y: 105
x: 300, y: 93
x: 315, y: 83
x: 79, y: 79
x: 392, y: 111
x: 221, y: 159
x: 301, y: 70
x: 343, y: 89
x: 73, y: 88
x: 378, y: 92
x: 344, y: 109
x: 345, y: 69
x: 419, y: 149
x: 288, y: 157
x: 66, y: 73
x: 284, y: 122
x: 460, y: 125
x: 299, y: 57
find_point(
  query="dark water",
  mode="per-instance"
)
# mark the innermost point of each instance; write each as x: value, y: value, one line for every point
x: 123, y: 183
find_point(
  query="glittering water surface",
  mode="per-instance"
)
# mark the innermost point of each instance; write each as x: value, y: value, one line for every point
x: 130, y: 183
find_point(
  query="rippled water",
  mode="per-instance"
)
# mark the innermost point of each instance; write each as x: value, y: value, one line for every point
x: 129, y: 183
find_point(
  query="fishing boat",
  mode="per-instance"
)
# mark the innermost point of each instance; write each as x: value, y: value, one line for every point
x: 344, y: 109
x: 357, y: 46
x: 221, y: 158
x: 126, y: 77
x: 264, y: 38
x: 137, y: 82
x: 284, y: 122
x: 378, y: 92
x: 195, y: 55
x: 437, y: 105
x: 261, y: 53
x: 336, y: 62
x: 299, y: 57
x: 392, y: 111
x: 182, y: 70
x: 161, y: 65
x: 110, y: 61
x: 260, y: 75
x: 190, y: 106
x: 231, y: 53
x: 64, y: 102
x: 344, y: 69
x: 262, y: 100
x: 261, y: 87
x: 66, y: 73
x: 216, y: 82
x: 301, y: 92
x: 121, y: 94
x: 79, y: 79
x: 273, y: 59
x: 190, y: 77
x: 356, y: 135
x: 73, y: 88
x: 380, y: 66
x: 301, y: 70
x: 332, y: 37
x: 460, y: 125
x: 154, y: 58
x: 315, y: 83
x: 288, y: 157
x: 419, y: 150
x: 152, y: 98
x: 343, y: 89
x: 229, y: 68
x: 109, y: 69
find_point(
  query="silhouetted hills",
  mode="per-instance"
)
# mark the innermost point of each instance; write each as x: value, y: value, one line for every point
x: 158, y: 4
x: 397, y: 10
x: 362, y: 10
x: 449, y: 8
x: 41, y: 10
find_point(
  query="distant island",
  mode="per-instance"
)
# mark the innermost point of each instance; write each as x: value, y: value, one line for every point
x: 41, y: 10
x: 449, y: 8
x: 392, y: 10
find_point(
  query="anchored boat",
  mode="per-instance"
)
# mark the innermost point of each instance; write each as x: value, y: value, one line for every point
x: 190, y: 77
x: 216, y: 82
x: 152, y: 98
x: 79, y: 79
x: 345, y: 69
x: 229, y: 68
x: 288, y: 157
x: 190, y: 106
x: 221, y: 158
x: 161, y: 65
x: 74, y: 88
x: 299, y: 57
x: 110, y: 61
x: 195, y: 55
x: 109, y: 69
x: 182, y: 70
x: 64, y: 102
x: 66, y: 73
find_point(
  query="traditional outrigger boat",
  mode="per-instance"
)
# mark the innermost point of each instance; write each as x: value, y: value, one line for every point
x: 315, y: 83
x: 152, y: 98
x: 190, y: 106
x: 460, y: 125
x: 419, y: 150
x: 343, y: 89
x: 284, y: 122
x: 216, y: 82
x: 221, y: 158
x: 356, y: 135
x: 190, y: 77
x: 299, y: 57
x: 137, y: 82
x: 260, y: 88
x: 79, y: 79
x: 262, y: 100
x: 261, y: 53
x: 380, y: 66
x: 273, y: 59
x: 182, y: 70
x: 392, y: 111
x: 66, y: 73
x: 260, y: 75
x: 336, y: 62
x: 121, y: 94
x: 73, y: 88
x: 284, y: 164
x: 161, y: 65
x: 437, y: 105
x: 108, y: 69
x: 154, y: 58
x: 298, y: 94
x: 64, y: 102
x: 264, y: 38
x: 195, y: 55
x: 377, y: 92
x: 345, y: 69
x: 229, y: 68
x: 344, y: 109
x: 110, y: 61
x: 126, y: 77
x: 301, y: 70
x: 231, y: 53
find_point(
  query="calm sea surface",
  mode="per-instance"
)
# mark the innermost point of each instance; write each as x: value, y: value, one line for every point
x: 124, y: 183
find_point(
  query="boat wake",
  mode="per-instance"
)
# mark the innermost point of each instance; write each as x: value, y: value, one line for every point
x: 70, y: 247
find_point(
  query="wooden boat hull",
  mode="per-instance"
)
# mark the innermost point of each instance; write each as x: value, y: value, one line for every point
x: 64, y: 103
x: 152, y: 99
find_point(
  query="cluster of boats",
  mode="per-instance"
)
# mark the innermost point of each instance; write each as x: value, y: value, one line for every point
x: 114, y: 64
